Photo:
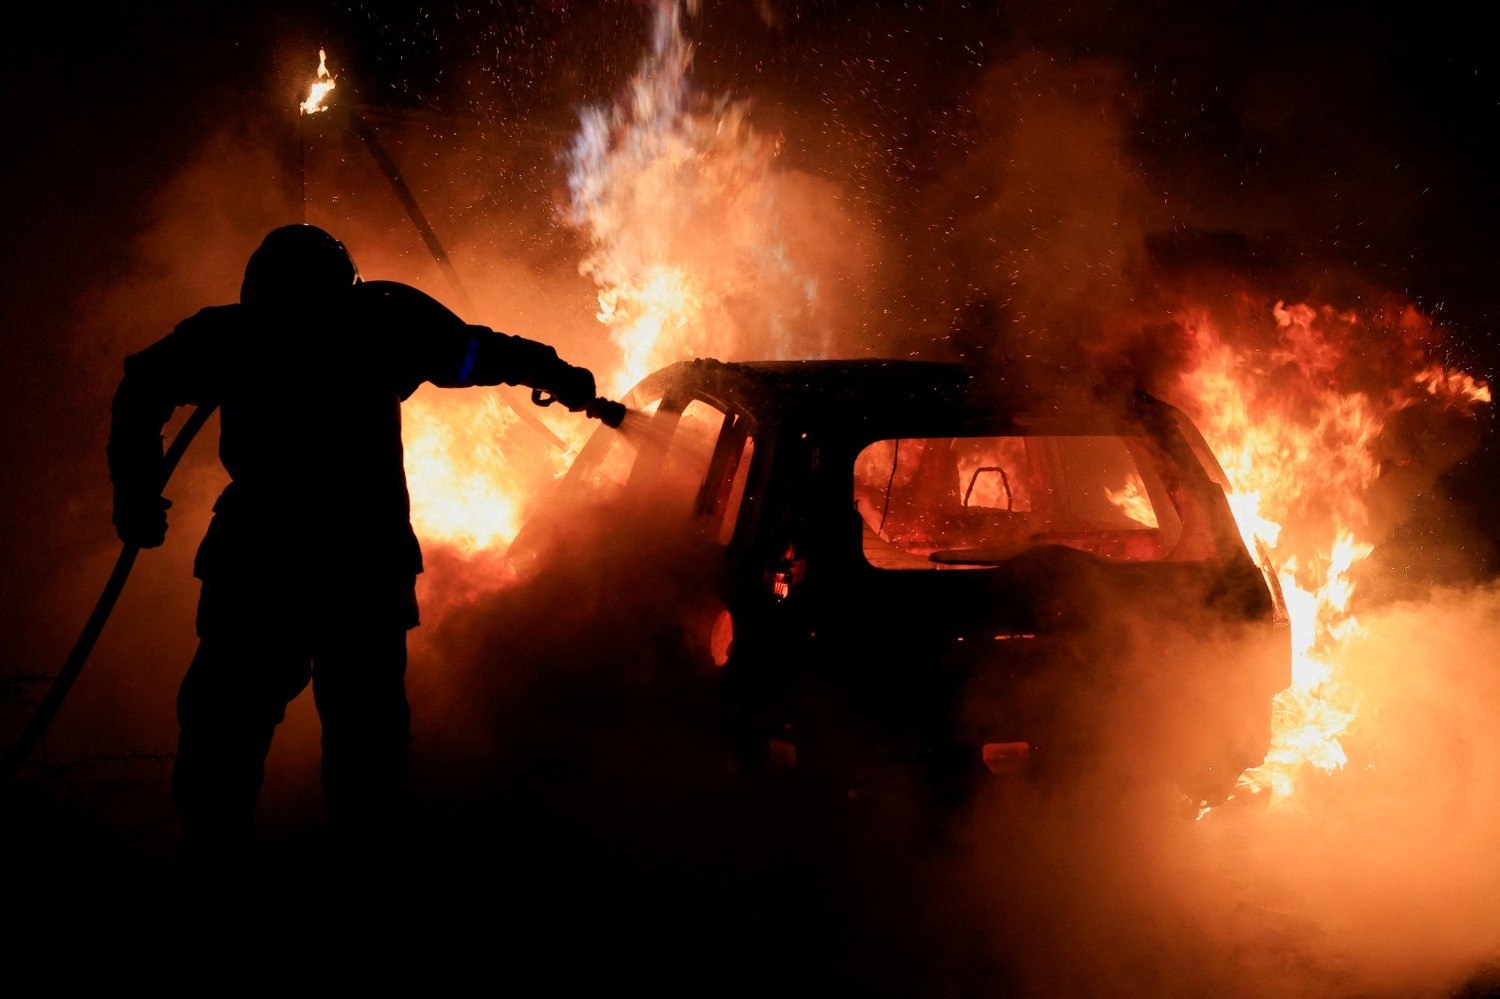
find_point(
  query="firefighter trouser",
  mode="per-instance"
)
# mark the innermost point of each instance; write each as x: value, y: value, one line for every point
x: 235, y: 694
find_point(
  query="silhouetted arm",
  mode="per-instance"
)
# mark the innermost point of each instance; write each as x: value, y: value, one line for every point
x: 174, y: 371
x: 452, y: 354
x: 492, y: 358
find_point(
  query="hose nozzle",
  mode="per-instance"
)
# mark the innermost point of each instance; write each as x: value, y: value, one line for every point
x: 606, y: 411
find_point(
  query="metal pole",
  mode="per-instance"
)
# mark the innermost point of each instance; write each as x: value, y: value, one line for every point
x: 302, y: 160
x: 366, y: 134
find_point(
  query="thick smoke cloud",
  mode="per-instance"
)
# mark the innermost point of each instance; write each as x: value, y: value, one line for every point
x: 1377, y: 880
x: 1046, y: 218
x: 1374, y: 882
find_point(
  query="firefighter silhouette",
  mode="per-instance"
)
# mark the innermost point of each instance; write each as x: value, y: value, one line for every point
x: 308, y: 568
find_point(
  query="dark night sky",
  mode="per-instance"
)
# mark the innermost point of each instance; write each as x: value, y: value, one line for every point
x: 1378, y: 130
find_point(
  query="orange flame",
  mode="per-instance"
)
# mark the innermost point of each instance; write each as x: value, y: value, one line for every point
x: 681, y: 207
x: 1300, y: 463
x: 473, y: 469
x: 1132, y: 501
x: 454, y: 500
x: 1454, y: 384
x: 680, y: 201
x: 322, y: 86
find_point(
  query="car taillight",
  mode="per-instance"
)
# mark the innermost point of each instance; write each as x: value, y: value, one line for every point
x: 721, y: 639
x: 1006, y: 758
x: 785, y: 573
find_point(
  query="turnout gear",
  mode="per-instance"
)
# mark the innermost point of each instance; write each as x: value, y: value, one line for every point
x: 141, y: 518
x: 574, y: 388
x: 308, y: 567
x: 310, y: 425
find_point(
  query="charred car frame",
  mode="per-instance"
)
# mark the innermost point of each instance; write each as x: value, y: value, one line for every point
x: 918, y: 568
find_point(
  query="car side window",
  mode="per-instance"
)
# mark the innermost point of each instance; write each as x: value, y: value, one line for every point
x: 723, y: 489
x: 704, y: 470
x: 689, y: 453
x: 736, y: 495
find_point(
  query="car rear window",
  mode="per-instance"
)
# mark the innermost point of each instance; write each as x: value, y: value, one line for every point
x: 976, y: 501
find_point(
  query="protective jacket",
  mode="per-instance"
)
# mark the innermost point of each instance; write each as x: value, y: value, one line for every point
x: 310, y: 426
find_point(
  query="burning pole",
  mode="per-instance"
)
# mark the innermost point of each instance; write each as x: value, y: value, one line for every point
x: 323, y: 85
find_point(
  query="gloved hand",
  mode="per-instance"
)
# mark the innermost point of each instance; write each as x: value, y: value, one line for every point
x: 141, y: 518
x: 573, y: 387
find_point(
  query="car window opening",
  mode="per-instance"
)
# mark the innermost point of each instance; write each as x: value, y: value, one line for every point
x: 605, y: 472
x: 736, y: 492
x: 973, y: 502
x: 685, y: 465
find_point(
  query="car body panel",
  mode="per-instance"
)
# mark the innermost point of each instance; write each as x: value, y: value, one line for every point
x: 1165, y: 666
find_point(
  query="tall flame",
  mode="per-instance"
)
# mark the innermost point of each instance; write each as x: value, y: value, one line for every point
x: 681, y: 207
x: 323, y: 85
x: 1297, y: 442
x: 681, y: 203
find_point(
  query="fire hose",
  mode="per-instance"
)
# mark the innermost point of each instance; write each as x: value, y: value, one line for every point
x: 16, y: 755
x: 606, y: 411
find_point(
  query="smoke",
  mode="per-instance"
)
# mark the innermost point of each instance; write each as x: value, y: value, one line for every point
x: 581, y: 745
x: 1374, y: 882
x: 1045, y: 219
x: 205, y: 215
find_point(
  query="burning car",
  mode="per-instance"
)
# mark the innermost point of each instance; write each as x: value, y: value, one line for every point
x: 922, y: 568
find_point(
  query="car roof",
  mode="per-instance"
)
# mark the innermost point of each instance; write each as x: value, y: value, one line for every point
x: 821, y: 392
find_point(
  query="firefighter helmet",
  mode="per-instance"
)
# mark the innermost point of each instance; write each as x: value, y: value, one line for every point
x: 296, y: 264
